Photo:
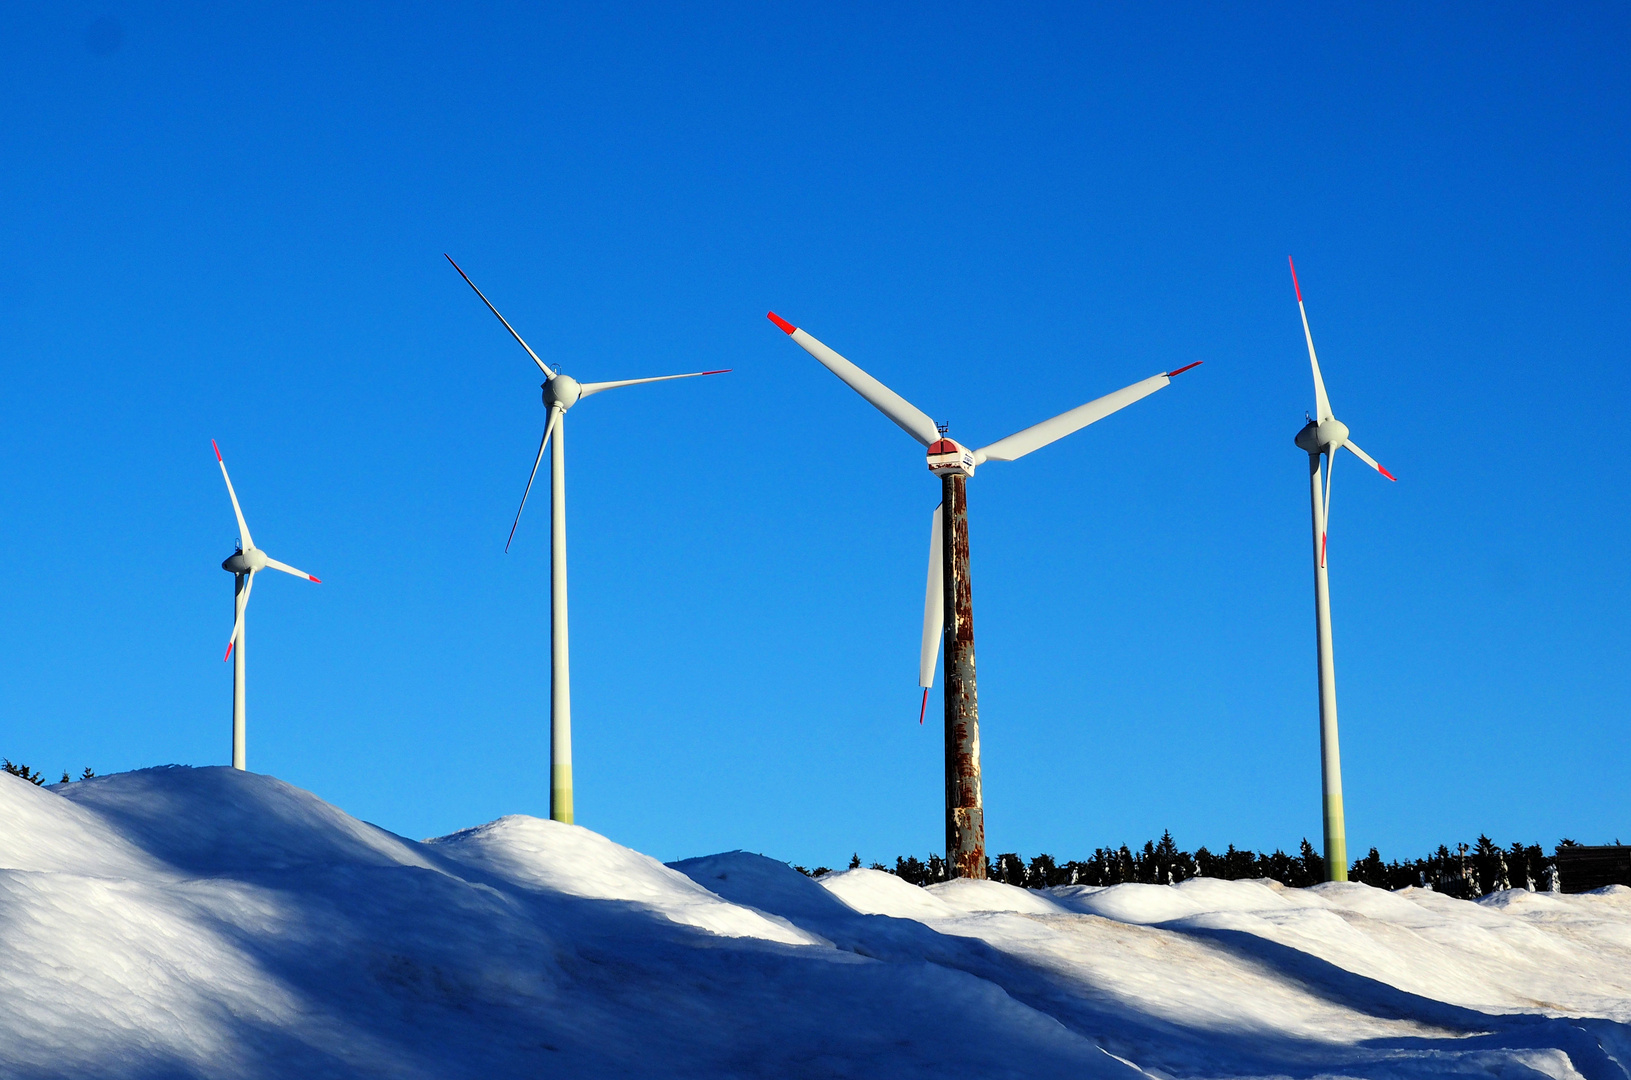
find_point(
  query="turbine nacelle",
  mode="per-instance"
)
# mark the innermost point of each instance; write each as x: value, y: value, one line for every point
x: 948, y: 457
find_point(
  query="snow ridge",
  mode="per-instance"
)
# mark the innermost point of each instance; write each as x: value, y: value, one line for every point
x: 184, y: 922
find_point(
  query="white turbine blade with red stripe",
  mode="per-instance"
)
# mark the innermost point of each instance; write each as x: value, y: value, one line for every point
x: 243, y: 526
x: 554, y: 418
x: 541, y: 365
x: 911, y: 419
x: 597, y: 387
x: 287, y: 569
x: 1368, y: 460
x: 1037, y: 436
x: 1321, y: 402
x: 243, y: 606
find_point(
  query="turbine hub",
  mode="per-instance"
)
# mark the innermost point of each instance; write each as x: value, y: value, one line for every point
x: 563, y: 391
x: 1333, y: 433
x: 243, y: 562
x: 948, y: 457
x: 1326, y: 435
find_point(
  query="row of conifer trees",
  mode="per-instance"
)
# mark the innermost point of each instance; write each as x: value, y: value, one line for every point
x: 1466, y: 870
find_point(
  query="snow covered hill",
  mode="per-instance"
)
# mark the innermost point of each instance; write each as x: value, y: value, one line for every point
x: 210, y: 923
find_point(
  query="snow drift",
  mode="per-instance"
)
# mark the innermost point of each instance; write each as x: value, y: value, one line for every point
x: 210, y: 923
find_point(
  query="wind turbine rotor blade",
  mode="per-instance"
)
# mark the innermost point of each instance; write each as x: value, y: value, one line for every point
x: 238, y: 624
x: 934, y: 613
x: 1368, y: 460
x: 597, y: 387
x: 1321, y: 402
x: 554, y: 416
x: 934, y: 606
x: 911, y: 419
x: 1037, y: 436
x: 541, y: 365
x: 1330, y: 471
x: 243, y: 526
x: 287, y: 569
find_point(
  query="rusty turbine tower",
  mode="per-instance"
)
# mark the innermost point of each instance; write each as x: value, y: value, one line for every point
x: 948, y: 607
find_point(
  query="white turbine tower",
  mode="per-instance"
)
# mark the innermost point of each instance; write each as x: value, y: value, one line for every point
x: 948, y: 608
x: 561, y: 392
x: 1325, y: 434
x: 243, y: 564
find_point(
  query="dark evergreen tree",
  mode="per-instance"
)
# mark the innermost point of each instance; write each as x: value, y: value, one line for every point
x: 22, y: 772
x: 1010, y: 869
x: 1313, y: 863
x: 1370, y: 870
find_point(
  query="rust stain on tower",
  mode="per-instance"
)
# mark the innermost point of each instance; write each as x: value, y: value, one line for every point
x: 965, y: 814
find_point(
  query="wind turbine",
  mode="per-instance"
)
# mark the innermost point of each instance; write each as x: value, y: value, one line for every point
x: 948, y: 607
x: 243, y: 564
x: 561, y: 392
x: 1326, y: 435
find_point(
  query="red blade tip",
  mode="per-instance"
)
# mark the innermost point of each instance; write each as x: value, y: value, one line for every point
x: 313, y: 579
x: 924, y: 708
x: 786, y: 326
x: 1186, y: 367
x: 217, y: 450
x: 1294, y: 284
x: 1387, y: 474
x: 228, y: 656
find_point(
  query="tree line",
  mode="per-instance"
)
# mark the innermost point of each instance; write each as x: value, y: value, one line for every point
x: 1467, y: 871
x: 33, y: 775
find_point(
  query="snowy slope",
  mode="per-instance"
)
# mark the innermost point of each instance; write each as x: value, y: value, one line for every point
x: 210, y: 923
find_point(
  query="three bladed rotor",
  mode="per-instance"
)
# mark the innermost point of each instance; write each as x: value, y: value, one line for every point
x: 1324, y: 433
x: 946, y: 455
x: 248, y: 560
x: 561, y: 392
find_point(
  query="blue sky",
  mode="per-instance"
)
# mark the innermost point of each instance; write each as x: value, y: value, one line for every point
x: 229, y: 224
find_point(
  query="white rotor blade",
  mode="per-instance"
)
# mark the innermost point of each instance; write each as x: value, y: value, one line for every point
x: 541, y: 365
x: 1037, y: 436
x: 554, y: 418
x: 1321, y: 402
x: 1368, y: 460
x: 934, y: 612
x: 597, y: 387
x: 911, y: 419
x: 287, y: 569
x: 1330, y: 470
x: 934, y: 606
x: 238, y: 624
x: 243, y: 526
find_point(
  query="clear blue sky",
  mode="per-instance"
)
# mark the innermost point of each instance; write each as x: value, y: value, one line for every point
x: 229, y: 224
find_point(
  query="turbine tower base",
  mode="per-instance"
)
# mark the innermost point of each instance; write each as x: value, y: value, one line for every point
x: 965, y: 812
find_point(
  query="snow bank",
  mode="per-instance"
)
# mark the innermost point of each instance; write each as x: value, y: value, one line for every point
x: 572, y: 861
x: 211, y: 923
